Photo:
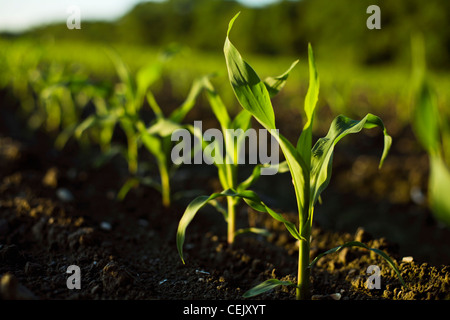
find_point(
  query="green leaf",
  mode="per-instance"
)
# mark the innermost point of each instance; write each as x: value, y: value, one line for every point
x: 163, y: 127
x: 84, y: 125
x: 322, y: 152
x: 259, y: 231
x: 253, y: 96
x: 124, y: 76
x: 266, y: 286
x: 250, y: 197
x: 426, y: 120
x: 242, y: 120
x: 304, y: 143
x: 179, y: 114
x: 128, y: 185
x: 154, y: 105
x: 438, y: 187
x: 219, y: 109
x: 248, y: 88
x: 145, y: 77
x: 275, y: 84
x: 362, y: 245
x: 154, y: 145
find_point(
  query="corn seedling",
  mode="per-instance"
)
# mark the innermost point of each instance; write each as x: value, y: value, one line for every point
x: 50, y: 94
x: 310, y: 168
x: 432, y: 130
x: 227, y: 166
x: 124, y: 109
x: 158, y: 141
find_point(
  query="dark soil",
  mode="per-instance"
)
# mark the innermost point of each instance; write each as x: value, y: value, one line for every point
x: 57, y: 211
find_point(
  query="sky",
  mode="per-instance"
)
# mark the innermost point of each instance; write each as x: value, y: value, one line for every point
x: 19, y: 15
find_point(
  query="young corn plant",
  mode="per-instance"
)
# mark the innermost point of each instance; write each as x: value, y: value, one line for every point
x: 121, y: 108
x: 234, y: 134
x: 124, y: 109
x: 310, y: 166
x: 432, y: 129
x: 157, y: 138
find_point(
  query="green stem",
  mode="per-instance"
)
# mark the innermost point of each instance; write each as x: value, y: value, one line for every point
x: 303, y: 282
x: 132, y: 148
x: 165, y: 185
x: 305, y: 225
x: 231, y: 203
x: 231, y: 219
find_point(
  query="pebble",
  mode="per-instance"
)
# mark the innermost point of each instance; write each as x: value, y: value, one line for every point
x: 333, y: 296
x: 201, y: 272
x: 106, y: 226
x: 407, y: 259
x: 336, y: 296
x: 51, y: 178
x: 64, y: 195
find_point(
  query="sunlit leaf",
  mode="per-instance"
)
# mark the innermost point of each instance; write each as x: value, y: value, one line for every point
x: 304, y: 142
x: 253, y: 96
x: 438, y: 188
x: 275, y: 84
x: 249, y: 89
x: 266, y: 286
x: 322, y: 152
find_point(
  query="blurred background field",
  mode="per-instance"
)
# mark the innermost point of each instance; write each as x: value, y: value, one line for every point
x: 358, y: 67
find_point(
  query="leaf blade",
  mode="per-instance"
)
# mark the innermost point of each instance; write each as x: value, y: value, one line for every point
x: 304, y: 142
x: 275, y: 84
x: 322, y: 151
x: 266, y: 286
x: 247, y: 86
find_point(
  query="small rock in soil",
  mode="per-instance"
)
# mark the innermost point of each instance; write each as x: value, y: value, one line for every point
x: 407, y: 259
x: 51, y: 178
x: 105, y: 225
x: 64, y: 195
x: 333, y: 296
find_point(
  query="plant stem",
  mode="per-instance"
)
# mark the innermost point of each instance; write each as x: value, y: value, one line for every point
x: 303, y: 289
x: 132, y: 147
x: 231, y: 203
x: 165, y: 184
x: 303, y: 281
